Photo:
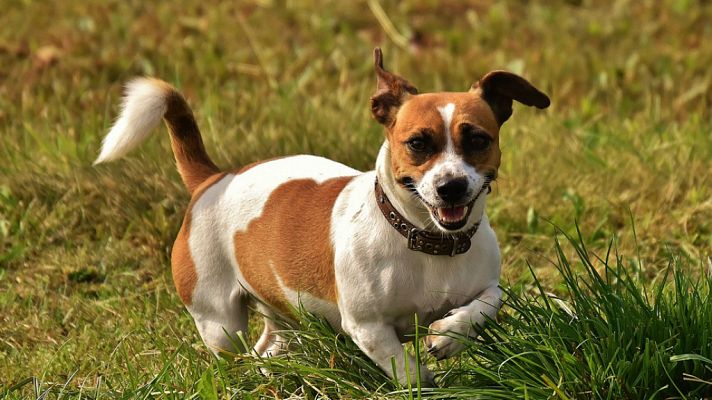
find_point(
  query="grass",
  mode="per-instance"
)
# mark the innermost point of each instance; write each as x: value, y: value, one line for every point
x: 612, y: 337
x: 87, y: 305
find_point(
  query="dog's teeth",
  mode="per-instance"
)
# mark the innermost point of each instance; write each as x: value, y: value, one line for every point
x: 453, y: 214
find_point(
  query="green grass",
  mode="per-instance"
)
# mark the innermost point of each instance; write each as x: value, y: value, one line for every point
x: 612, y: 337
x: 87, y: 304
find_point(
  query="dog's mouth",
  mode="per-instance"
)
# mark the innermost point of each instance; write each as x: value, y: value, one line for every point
x: 450, y: 217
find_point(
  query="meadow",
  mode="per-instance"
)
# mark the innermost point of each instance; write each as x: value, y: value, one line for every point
x: 603, y: 207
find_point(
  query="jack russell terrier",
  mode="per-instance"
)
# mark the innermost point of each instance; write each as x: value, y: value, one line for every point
x: 367, y: 251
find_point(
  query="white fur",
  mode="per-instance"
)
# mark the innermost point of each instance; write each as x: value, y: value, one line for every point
x: 446, y: 113
x: 143, y: 108
x: 446, y: 335
x: 381, y: 284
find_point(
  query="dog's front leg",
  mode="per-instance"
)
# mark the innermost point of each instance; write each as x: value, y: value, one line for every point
x: 380, y: 343
x: 443, y: 341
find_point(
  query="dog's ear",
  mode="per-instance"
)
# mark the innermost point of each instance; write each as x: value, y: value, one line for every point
x: 499, y: 88
x: 391, y: 92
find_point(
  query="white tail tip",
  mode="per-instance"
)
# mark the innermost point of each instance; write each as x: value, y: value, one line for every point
x: 143, y: 108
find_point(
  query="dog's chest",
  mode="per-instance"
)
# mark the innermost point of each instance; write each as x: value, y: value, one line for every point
x: 430, y: 289
x: 379, y: 279
x: 396, y: 286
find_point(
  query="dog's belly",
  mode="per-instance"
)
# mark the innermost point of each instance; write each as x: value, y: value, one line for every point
x: 264, y: 232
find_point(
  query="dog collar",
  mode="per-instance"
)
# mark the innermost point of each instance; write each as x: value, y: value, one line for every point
x: 438, y: 244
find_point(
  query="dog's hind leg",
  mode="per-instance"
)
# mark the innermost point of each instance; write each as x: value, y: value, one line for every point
x: 270, y: 342
x: 220, y: 325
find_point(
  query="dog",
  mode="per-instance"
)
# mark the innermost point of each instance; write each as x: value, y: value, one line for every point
x: 368, y: 251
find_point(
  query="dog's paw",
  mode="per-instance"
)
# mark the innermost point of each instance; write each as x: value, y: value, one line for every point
x: 446, y: 336
x: 441, y: 346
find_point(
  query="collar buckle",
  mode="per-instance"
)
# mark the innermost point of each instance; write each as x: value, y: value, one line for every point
x: 453, y: 251
x: 413, y: 239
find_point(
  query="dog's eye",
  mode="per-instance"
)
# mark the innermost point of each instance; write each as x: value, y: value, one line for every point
x: 474, y: 140
x: 420, y: 144
x: 479, y: 142
x: 417, y: 144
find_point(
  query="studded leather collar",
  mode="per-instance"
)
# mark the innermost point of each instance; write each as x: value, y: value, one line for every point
x: 435, y: 243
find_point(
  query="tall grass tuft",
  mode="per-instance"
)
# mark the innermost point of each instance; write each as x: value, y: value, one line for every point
x: 606, y: 337
x: 319, y: 363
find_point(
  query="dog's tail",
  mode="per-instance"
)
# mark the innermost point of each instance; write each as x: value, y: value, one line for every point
x: 146, y: 102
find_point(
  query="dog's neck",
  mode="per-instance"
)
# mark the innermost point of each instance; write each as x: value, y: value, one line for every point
x: 407, y: 204
x: 403, y: 200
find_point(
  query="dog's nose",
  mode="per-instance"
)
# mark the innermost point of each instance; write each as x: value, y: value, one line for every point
x: 453, y: 190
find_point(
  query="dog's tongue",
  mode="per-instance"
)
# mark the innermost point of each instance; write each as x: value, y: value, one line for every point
x: 453, y: 214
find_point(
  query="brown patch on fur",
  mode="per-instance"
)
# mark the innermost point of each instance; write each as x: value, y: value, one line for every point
x: 182, y: 265
x: 291, y: 241
x: 420, y: 113
x: 194, y: 164
x: 479, y: 114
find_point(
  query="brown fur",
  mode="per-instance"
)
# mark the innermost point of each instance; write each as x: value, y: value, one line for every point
x: 182, y: 265
x: 500, y: 88
x: 194, y: 164
x: 291, y: 241
x: 421, y: 112
x: 391, y: 91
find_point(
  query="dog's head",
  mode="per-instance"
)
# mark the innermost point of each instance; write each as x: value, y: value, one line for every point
x: 445, y: 146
